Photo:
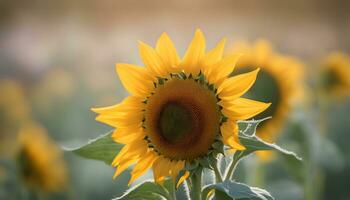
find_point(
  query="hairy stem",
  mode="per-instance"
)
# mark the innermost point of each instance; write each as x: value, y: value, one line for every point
x: 218, y: 176
x: 196, y: 190
x: 173, y: 195
x: 231, y: 169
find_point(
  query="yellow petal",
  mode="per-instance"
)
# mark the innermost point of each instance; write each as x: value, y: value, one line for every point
x: 136, y: 80
x: 128, y: 134
x: 159, y: 170
x: 242, y: 109
x: 237, y: 142
x: 136, y: 148
x: 213, y: 56
x: 229, y: 131
x: 236, y: 86
x: 266, y: 156
x: 223, y: 69
x: 133, y: 116
x: 152, y: 60
x: 167, y: 52
x: 143, y: 165
x: 230, y: 151
x: 183, y: 178
x: 121, y: 119
x: 194, y: 54
x: 210, y: 193
x: 125, y: 164
x: 166, y: 168
x: 176, y: 167
x: 262, y: 50
x: 131, y: 103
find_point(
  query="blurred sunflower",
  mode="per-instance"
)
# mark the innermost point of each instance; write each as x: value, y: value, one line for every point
x: 57, y: 85
x: 40, y: 161
x: 14, y: 111
x: 336, y: 75
x: 179, y: 109
x: 279, y: 82
x: 2, y: 174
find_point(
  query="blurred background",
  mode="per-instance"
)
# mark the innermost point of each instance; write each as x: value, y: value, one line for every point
x: 57, y: 61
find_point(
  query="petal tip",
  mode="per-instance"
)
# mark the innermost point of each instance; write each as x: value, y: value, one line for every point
x: 223, y: 41
x: 164, y: 35
x: 141, y: 44
x: 132, y: 179
x: 118, y: 67
x: 183, y: 178
x: 199, y: 34
x: 268, y: 105
x: 199, y: 31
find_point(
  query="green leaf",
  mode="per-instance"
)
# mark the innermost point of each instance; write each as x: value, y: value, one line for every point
x: 147, y: 190
x: 219, y: 195
x: 236, y: 190
x: 182, y: 192
x: 206, y: 162
x: 249, y: 127
x: 254, y: 143
x: 102, y: 148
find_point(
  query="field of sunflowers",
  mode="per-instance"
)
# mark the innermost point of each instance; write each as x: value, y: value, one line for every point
x: 175, y: 100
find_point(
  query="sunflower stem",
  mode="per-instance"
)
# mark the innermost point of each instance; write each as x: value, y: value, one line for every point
x: 218, y: 176
x: 196, y: 190
x: 173, y: 195
x: 232, y: 168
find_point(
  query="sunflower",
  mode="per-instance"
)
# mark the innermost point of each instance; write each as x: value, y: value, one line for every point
x: 336, y: 75
x: 57, y: 85
x: 14, y: 111
x: 2, y: 174
x: 179, y: 109
x: 40, y: 160
x: 279, y: 82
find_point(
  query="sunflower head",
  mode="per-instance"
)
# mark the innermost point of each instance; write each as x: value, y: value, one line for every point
x: 279, y: 82
x: 14, y: 111
x: 2, y: 174
x: 335, y: 75
x: 40, y: 160
x: 181, y: 111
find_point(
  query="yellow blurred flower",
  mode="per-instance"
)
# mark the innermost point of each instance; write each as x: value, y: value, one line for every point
x: 2, y: 174
x: 335, y: 73
x: 179, y: 107
x: 14, y: 111
x: 279, y: 82
x: 55, y: 86
x: 40, y: 159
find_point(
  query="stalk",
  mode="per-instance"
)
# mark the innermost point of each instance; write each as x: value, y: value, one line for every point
x: 196, y: 190
x: 218, y: 176
x: 231, y: 169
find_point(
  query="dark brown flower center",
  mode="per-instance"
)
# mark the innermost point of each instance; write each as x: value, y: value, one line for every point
x: 182, y: 119
x: 175, y: 122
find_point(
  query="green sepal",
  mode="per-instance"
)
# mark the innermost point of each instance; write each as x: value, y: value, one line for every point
x: 205, y: 162
x: 219, y: 147
x: 182, y: 75
x: 161, y: 81
x: 211, y: 87
x: 201, y: 78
